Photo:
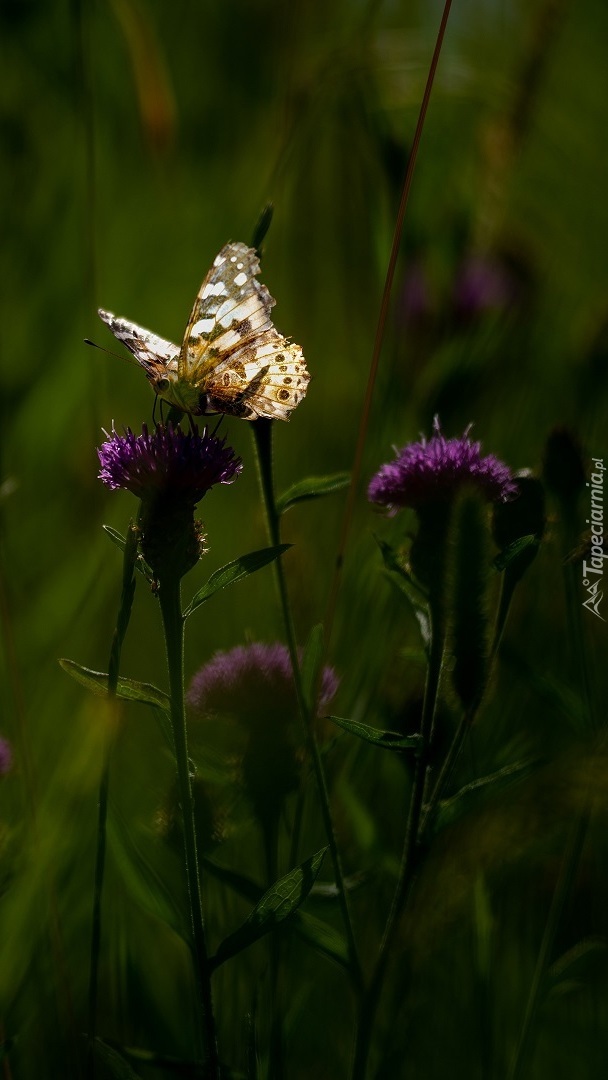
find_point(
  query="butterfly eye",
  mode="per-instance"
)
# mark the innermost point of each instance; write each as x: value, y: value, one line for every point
x: 161, y: 385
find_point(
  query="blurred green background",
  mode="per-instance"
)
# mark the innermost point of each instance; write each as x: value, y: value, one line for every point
x: 137, y: 138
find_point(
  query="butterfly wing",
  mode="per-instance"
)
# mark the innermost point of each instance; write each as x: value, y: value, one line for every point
x: 156, y: 356
x: 262, y: 378
x: 232, y: 352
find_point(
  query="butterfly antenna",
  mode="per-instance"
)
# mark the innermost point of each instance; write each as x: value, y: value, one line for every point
x: 102, y: 348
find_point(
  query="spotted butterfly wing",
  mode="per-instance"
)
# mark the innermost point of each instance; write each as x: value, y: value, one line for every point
x: 232, y: 359
x: 232, y: 352
x: 158, y: 357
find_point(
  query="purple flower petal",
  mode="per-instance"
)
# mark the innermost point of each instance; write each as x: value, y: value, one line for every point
x: 434, y: 471
x: 168, y: 461
x: 251, y: 680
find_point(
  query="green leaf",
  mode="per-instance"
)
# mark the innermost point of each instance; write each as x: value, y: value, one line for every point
x: 451, y: 810
x: 140, y: 563
x: 392, y: 562
x: 312, y: 658
x: 127, y: 689
x: 324, y: 938
x: 315, y: 932
x: 386, y: 740
x: 233, y: 572
x: 311, y: 488
x: 583, y: 961
x: 146, y: 887
x: 153, y: 1059
x: 116, y: 537
x: 513, y: 552
x: 241, y: 884
x: 408, y: 588
x: 276, y: 905
x: 116, y: 1063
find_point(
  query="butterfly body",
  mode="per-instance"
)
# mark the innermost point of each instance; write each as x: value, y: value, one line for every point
x: 232, y: 359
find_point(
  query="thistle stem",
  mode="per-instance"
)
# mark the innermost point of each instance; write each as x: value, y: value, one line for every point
x: 576, y: 841
x: 262, y: 430
x: 173, y: 623
x: 563, y: 889
x: 409, y: 858
x: 276, y: 1068
x: 446, y: 771
x: 122, y: 622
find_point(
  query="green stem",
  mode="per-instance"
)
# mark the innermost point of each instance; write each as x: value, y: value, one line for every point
x: 409, y: 858
x: 563, y: 889
x: 445, y: 772
x: 122, y: 622
x: 173, y: 623
x: 276, y: 1067
x: 576, y: 842
x: 262, y: 430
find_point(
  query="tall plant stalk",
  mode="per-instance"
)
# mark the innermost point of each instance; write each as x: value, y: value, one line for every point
x: 122, y: 622
x: 409, y: 857
x: 276, y: 1070
x: 576, y: 840
x: 173, y: 623
x: 262, y: 430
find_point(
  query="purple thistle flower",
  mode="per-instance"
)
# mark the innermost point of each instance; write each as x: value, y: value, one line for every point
x: 251, y: 680
x: 433, y: 471
x: 243, y: 704
x: 167, y: 462
x: 6, y: 756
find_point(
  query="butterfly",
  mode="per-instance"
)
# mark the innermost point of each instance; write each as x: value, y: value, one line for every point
x: 232, y: 359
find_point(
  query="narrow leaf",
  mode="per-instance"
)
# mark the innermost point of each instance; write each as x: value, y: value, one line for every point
x: 277, y: 904
x: 583, y: 961
x: 465, y: 800
x: 386, y: 740
x: 513, y: 552
x: 233, y: 572
x: 116, y: 537
x: 241, y: 884
x: 324, y: 938
x: 314, y: 931
x: 177, y: 1066
x: 128, y: 689
x: 407, y: 587
x: 311, y: 488
x: 392, y: 562
x: 118, y: 1066
x: 140, y: 877
x: 140, y: 563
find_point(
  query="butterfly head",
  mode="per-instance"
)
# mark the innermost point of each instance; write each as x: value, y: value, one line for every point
x: 178, y: 392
